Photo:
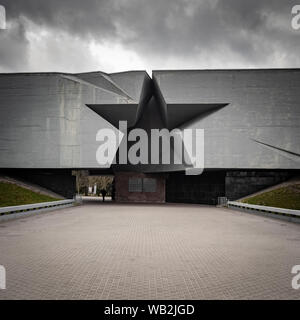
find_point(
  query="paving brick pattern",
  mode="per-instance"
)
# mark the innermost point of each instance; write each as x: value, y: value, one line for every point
x: 113, y: 251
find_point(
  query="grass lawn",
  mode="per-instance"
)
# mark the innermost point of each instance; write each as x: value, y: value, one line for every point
x: 13, y: 195
x: 286, y: 197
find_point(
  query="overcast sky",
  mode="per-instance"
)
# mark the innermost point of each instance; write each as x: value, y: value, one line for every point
x: 118, y: 35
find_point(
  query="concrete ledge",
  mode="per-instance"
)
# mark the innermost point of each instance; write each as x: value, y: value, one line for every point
x: 278, y: 213
x: 15, y: 212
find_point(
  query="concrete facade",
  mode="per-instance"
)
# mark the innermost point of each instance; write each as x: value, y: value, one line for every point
x: 239, y: 184
x: 251, y: 122
x: 251, y: 118
x: 258, y: 128
x: 45, y: 121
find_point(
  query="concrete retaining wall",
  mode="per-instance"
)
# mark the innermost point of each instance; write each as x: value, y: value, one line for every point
x: 273, y: 212
x: 242, y: 183
x: 23, y: 211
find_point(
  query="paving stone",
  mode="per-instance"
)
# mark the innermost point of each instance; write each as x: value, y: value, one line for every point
x: 114, y: 251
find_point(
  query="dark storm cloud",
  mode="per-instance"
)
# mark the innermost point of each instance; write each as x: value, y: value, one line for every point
x: 13, y: 46
x: 250, y: 30
x: 80, y: 17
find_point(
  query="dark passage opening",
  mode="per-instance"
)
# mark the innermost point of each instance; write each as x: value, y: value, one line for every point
x: 204, y: 188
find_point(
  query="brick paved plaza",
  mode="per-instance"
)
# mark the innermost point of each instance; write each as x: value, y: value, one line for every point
x: 115, y: 251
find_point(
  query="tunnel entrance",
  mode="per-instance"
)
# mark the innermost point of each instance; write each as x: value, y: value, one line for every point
x: 204, y: 188
x: 121, y: 187
x: 95, y: 187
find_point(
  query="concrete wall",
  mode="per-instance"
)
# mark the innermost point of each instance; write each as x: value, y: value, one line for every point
x: 239, y: 184
x: 45, y: 121
x: 260, y: 126
x: 122, y: 191
x: 59, y: 181
x: 207, y: 187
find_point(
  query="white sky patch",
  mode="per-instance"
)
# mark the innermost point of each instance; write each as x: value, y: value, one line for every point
x: 50, y: 51
x: 203, y: 60
x: 116, y: 58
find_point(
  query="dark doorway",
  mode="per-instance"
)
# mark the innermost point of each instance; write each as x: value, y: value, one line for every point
x: 204, y: 188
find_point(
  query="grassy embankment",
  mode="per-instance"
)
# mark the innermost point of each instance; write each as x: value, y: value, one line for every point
x: 13, y: 195
x: 286, y: 197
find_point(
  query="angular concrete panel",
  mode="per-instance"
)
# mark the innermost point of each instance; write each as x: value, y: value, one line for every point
x: 251, y: 118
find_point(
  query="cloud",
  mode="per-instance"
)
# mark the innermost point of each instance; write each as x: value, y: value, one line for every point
x: 62, y: 51
x: 76, y: 35
x: 13, y: 46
